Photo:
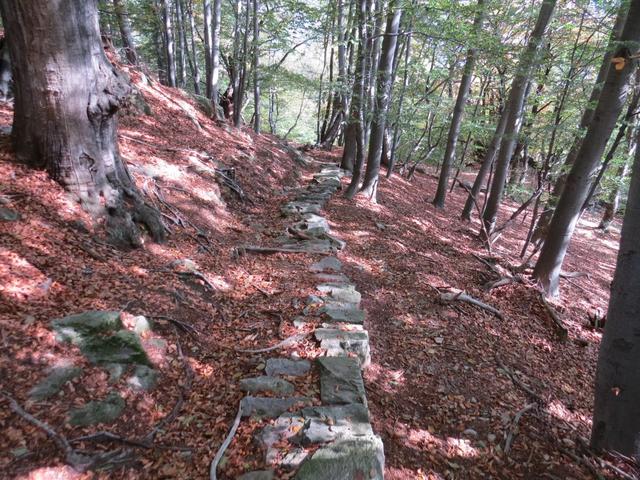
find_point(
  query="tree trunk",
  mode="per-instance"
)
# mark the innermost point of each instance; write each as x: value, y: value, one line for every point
x: 215, y: 56
x: 610, y: 103
x: 515, y: 105
x: 208, y: 49
x: 194, y: 65
x: 256, y: 60
x: 122, y: 17
x: 5, y: 71
x: 169, y: 42
x: 383, y: 87
x: 182, y: 42
x: 65, y: 120
x: 458, y: 112
x: 616, y: 416
x: 613, y: 202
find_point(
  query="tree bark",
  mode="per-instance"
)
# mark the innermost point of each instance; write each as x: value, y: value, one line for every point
x: 610, y: 103
x: 195, y: 66
x: 515, y: 105
x: 122, y: 17
x: 616, y: 416
x: 215, y: 56
x: 256, y: 61
x: 383, y: 87
x: 6, y: 76
x: 182, y: 42
x: 458, y: 112
x: 65, y: 119
x: 208, y: 49
x: 169, y: 42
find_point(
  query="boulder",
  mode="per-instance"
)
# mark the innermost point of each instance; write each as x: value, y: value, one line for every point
x: 54, y: 382
x: 269, y: 407
x: 274, y: 385
x: 99, y: 411
x: 328, y: 424
x: 343, y: 315
x: 122, y: 347
x: 346, y: 293
x: 144, y: 378
x: 75, y: 328
x: 328, y: 264
x: 341, y: 343
x: 284, y: 366
x: 8, y: 215
x: 341, y: 381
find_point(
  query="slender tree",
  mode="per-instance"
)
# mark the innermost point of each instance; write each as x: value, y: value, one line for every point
x: 513, y: 111
x: 195, y: 67
x: 170, y: 48
x: 215, y: 56
x: 616, y: 415
x: 122, y: 17
x: 458, y: 111
x: 256, y: 62
x: 65, y: 119
x: 612, y: 98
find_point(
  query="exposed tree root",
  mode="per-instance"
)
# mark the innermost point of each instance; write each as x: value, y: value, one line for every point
x: 216, y: 460
x: 461, y: 296
x: 286, y: 342
x: 563, y: 333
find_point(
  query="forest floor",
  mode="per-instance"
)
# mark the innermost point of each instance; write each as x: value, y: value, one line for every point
x: 446, y: 382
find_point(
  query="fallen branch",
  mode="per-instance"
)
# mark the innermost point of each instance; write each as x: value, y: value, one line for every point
x: 514, y: 425
x: 461, y: 296
x: 287, y: 341
x: 563, y: 333
x: 185, y: 327
x: 518, y: 382
x: 256, y: 249
x: 225, y: 445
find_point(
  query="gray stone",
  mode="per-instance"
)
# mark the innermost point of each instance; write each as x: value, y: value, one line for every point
x: 341, y: 343
x: 8, y: 215
x: 332, y: 278
x: 144, y: 378
x: 115, y: 370
x: 343, y: 315
x: 341, y: 381
x: 315, y: 221
x: 314, y: 300
x: 270, y: 407
x: 99, y: 411
x: 257, y: 475
x: 300, y: 322
x: 328, y: 424
x: 54, y: 382
x: 283, y: 428
x: 293, y: 459
x: 346, y: 460
x: 328, y: 264
x: 308, y: 246
x: 292, y: 208
x: 122, y: 347
x: 74, y: 328
x: 142, y: 325
x: 284, y: 366
x: 274, y: 385
x: 342, y: 293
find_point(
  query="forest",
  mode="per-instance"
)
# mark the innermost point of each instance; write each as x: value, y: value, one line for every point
x: 320, y: 239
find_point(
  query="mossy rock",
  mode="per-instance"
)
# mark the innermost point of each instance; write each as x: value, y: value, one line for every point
x: 144, y: 378
x: 99, y: 411
x: 122, y: 347
x: 75, y: 328
x: 53, y: 383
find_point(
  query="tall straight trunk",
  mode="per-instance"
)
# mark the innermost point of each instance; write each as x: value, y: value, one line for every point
x: 241, y: 65
x: 215, y: 57
x: 616, y: 415
x: 195, y: 66
x: 169, y: 42
x: 182, y: 43
x: 67, y: 94
x: 458, y: 112
x: 256, y: 79
x: 122, y: 17
x: 6, y: 77
x: 585, y: 121
x: 486, y: 165
x: 515, y: 105
x: 159, y: 41
x: 208, y: 48
x: 405, y: 83
x: 610, y: 103
x: 613, y: 202
x: 383, y: 88
x: 353, y: 133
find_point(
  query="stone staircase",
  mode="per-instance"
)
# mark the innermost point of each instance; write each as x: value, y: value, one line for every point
x: 334, y: 441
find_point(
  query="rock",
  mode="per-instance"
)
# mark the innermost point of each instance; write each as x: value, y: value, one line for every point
x: 293, y: 459
x: 20, y: 452
x: 257, y: 475
x: 361, y: 458
x: 341, y: 343
x: 491, y: 437
x: 102, y: 411
x: 284, y: 366
x: 308, y: 246
x: 300, y: 322
x: 343, y: 315
x: 75, y: 328
x: 327, y: 264
x: 283, y: 428
x: 54, y: 382
x: 115, y: 370
x: 144, y: 378
x: 470, y: 432
x: 328, y: 424
x: 341, y: 381
x: 122, y: 347
x: 8, y: 215
x: 274, y: 385
x: 342, y: 293
x: 314, y: 300
x: 332, y: 278
x: 142, y: 325
x: 293, y: 208
x: 269, y: 407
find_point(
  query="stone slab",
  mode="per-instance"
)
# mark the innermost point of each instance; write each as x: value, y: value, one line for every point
x: 285, y: 366
x: 270, y: 407
x: 275, y: 385
x: 341, y: 381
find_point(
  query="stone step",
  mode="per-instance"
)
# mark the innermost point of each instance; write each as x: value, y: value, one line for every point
x: 258, y: 475
x: 346, y: 293
x: 327, y: 264
x: 332, y: 278
x: 342, y: 343
x: 343, y: 315
x: 341, y: 381
x: 297, y: 208
x: 285, y: 366
x: 328, y: 424
x: 361, y: 458
x: 270, y: 407
x: 269, y: 384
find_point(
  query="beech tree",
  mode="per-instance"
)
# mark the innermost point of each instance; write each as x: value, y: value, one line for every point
x: 66, y: 123
x: 616, y: 416
x: 612, y: 99
x: 124, y: 25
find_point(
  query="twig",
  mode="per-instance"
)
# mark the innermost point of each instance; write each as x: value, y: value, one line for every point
x: 517, y: 381
x: 514, y: 425
x: 185, y: 327
x: 461, y: 296
x: 562, y: 330
x: 225, y: 445
x: 287, y: 341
